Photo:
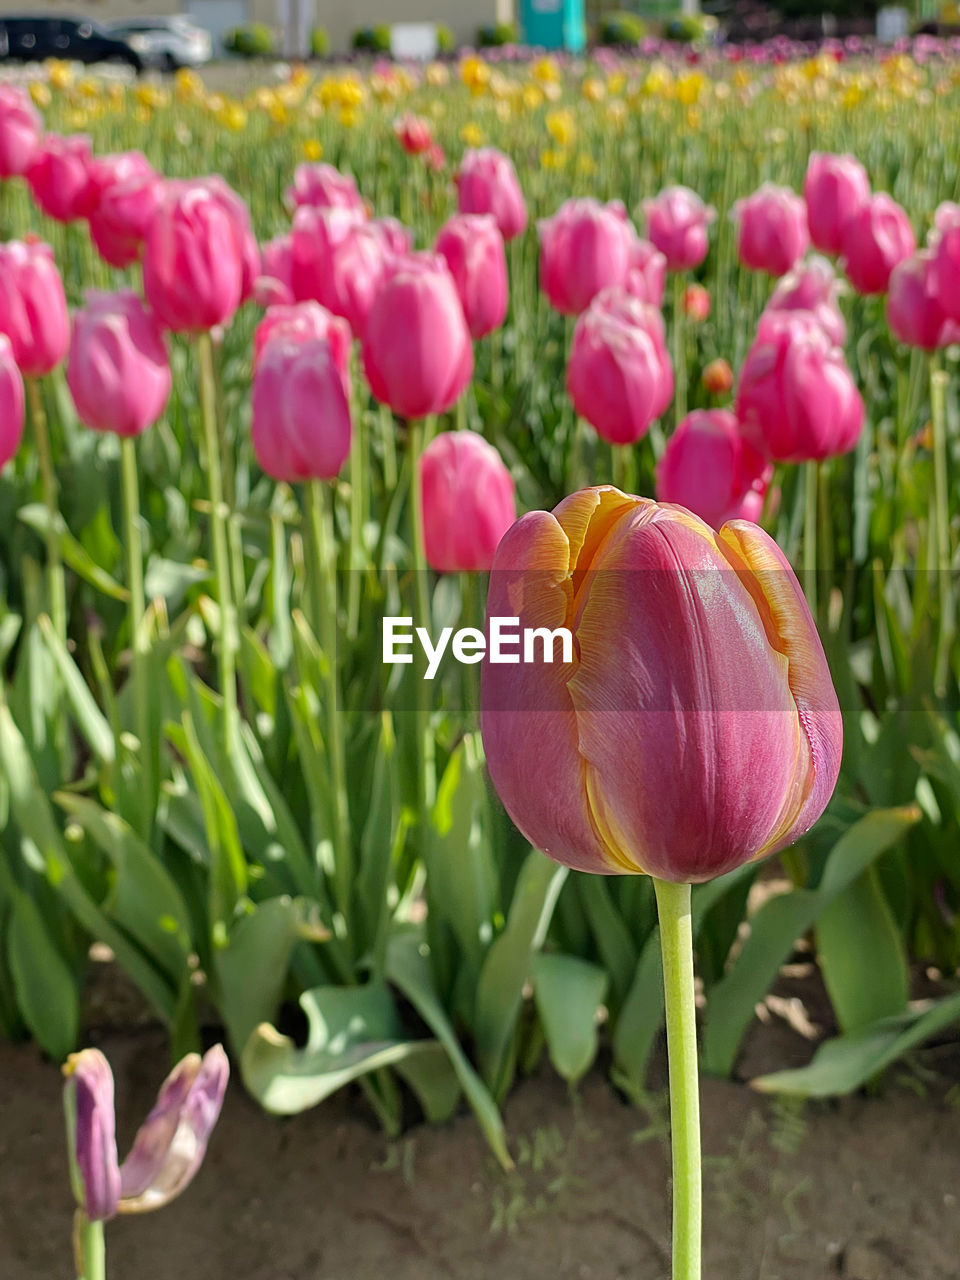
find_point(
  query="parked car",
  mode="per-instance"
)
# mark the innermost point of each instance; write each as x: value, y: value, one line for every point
x: 169, y: 43
x: 34, y: 39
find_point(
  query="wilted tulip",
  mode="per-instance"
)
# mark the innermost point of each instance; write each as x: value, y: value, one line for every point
x: 20, y: 131
x: 771, y: 229
x: 321, y: 186
x: 488, y: 183
x: 619, y: 375
x: 710, y: 469
x: 472, y: 247
x: 812, y: 286
x: 128, y: 191
x: 647, y: 273
x: 696, y: 728
x: 274, y: 286
x: 835, y: 189
x: 169, y: 1147
x: 717, y: 377
x: 301, y: 322
x: 33, y: 307
x: 677, y: 222
x: 60, y: 177
x: 945, y: 244
x: 914, y: 312
x: 468, y: 501
x: 417, y: 353
x: 585, y: 247
x: 414, y: 134
x: 696, y: 302
x: 11, y: 403
x: 796, y: 398
x: 876, y: 238
x: 301, y: 415
x: 118, y: 372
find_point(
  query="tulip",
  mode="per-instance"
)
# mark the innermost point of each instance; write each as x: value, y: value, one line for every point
x: 876, y: 238
x: 417, y: 353
x: 585, y: 247
x: 435, y: 158
x: 914, y: 311
x: 472, y: 247
x: 413, y: 134
x: 697, y: 727
x: 468, y: 501
x: 647, y: 273
x: 239, y: 216
x: 128, y: 191
x: 835, y: 189
x: 392, y: 234
x: 33, y: 307
x: 812, y: 286
x: 321, y: 186
x: 338, y: 261
x: 771, y: 229
x: 11, y: 403
x: 301, y: 416
x: 619, y: 375
x: 275, y: 284
x: 717, y: 377
x: 945, y: 244
x: 60, y: 177
x: 118, y: 372
x: 301, y: 322
x: 710, y: 469
x: 488, y: 183
x: 696, y: 302
x: 677, y: 222
x: 21, y: 130
x: 193, y: 265
x: 796, y: 400
x: 169, y: 1146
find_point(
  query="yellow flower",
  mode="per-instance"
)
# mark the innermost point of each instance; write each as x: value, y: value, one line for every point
x: 553, y: 159
x: 277, y: 111
x: 349, y: 117
x: 437, y: 75
x: 532, y: 97
x: 313, y: 149
x: 233, y: 117
x: 472, y: 134
x: 561, y: 126
x: 658, y: 81
x: 593, y: 89
x: 77, y: 118
x: 187, y: 84
x: 616, y: 113
x: 59, y: 74
x: 690, y: 87
x: 616, y: 82
x: 475, y: 74
x: 741, y: 78
x: 89, y: 88
x: 546, y: 70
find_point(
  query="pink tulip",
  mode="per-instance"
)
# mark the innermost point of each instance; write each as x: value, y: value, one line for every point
x: 414, y: 134
x: 472, y: 247
x: 468, y: 501
x: 21, y: 130
x: 796, y: 399
x: 488, y: 183
x: 339, y: 262
x: 771, y: 229
x: 393, y: 235
x: 11, y: 403
x: 128, y: 191
x: 876, y: 238
x: 302, y: 322
x: 696, y: 728
x: 118, y: 372
x: 619, y: 375
x: 194, y: 270
x: 696, y: 302
x: 239, y: 216
x: 835, y: 189
x: 417, y: 353
x: 677, y: 222
x: 585, y: 247
x: 647, y: 274
x: 945, y: 243
x: 275, y: 284
x: 321, y: 186
x: 61, y: 179
x: 301, y: 416
x: 914, y: 312
x: 812, y: 286
x: 711, y: 470
x: 33, y: 307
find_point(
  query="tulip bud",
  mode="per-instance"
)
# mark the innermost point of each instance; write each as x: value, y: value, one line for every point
x: 89, y: 1103
x: 835, y: 189
x: 413, y: 134
x: 710, y: 469
x: 128, y: 192
x: 338, y: 261
x: 20, y: 131
x: 914, y: 312
x: 60, y: 177
x: 473, y: 249
x: 301, y: 415
x: 300, y: 323
x: 697, y: 727
x: 647, y: 273
x: 468, y: 501
x: 488, y: 183
x: 321, y: 186
x: 812, y: 286
x: 771, y: 229
x: 11, y: 403
x: 677, y: 222
x: 696, y: 302
x: 717, y: 377
x: 417, y: 353
x: 876, y: 238
x: 33, y: 307
x: 945, y: 245
x: 118, y: 372
x: 585, y: 247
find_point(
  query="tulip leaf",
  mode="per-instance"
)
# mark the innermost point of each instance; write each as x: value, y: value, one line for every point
x: 376, y: 848
x: 47, y: 992
x: 431, y: 1075
x: 640, y: 1020
x: 38, y: 518
x: 616, y: 947
x: 90, y: 719
x: 569, y: 992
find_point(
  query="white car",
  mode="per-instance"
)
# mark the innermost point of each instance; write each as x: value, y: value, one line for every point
x: 169, y: 43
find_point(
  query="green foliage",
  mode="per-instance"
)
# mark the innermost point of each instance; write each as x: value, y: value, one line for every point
x: 621, y: 28
x: 496, y: 34
x: 319, y: 43
x: 690, y: 28
x: 446, y: 40
x: 372, y: 39
x: 253, y: 40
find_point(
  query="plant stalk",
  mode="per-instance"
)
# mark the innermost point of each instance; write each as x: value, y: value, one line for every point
x: 944, y: 556
x: 90, y: 1255
x: 811, y: 504
x: 138, y: 639
x: 679, y: 349
x: 426, y: 749
x: 56, y: 583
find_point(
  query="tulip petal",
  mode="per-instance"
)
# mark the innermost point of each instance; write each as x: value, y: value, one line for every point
x: 95, y: 1147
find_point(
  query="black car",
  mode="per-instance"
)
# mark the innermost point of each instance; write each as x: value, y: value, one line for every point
x: 72, y: 39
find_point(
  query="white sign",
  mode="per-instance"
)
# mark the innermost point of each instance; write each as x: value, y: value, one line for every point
x: 892, y: 24
x: 414, y: 40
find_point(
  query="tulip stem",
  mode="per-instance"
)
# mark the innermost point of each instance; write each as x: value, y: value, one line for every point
x: 90, y: 1256
x: 137, y: 609
x: 676, y: 944
x: 425, y: 744
x: 624, y: 472
x: 229, y: 480
x: 679, y: 350
x: 811, y: 480
x: 938, y: 421
x: 218, y: 525
x: 55, y: 578
x: 358, y: 509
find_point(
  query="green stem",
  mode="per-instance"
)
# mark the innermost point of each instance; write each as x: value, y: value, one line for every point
x: 228, y: 476
x: 944, y: 557
x: 138, y: 639
x: 676, y: 944
x: 810, y: 535
x: 90, y: 1256
x: 679, y: 349
x: 469, y: 674
x: 358, y: 508
x: 422, y: 617
x: 388, y: 437
x: 55, y: 578
x: 324, y: 597
x: 624, y: 473
x: 227, y: 653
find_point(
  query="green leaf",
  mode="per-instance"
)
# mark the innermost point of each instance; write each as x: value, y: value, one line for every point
x: 376, y: 848
x: 90, y: 719
x: 431, y: 1076
x: 614, y: 943
x: 569, y: 992
x: 37, y: 517
x: 47, y: 992
x: 640, y: 1020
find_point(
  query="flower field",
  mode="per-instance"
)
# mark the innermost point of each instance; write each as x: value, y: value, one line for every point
x: 328, y: 337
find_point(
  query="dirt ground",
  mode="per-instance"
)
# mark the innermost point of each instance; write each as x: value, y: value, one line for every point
x: 865, y: 1189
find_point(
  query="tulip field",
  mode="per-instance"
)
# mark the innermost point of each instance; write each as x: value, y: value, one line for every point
x: 411, y: 471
